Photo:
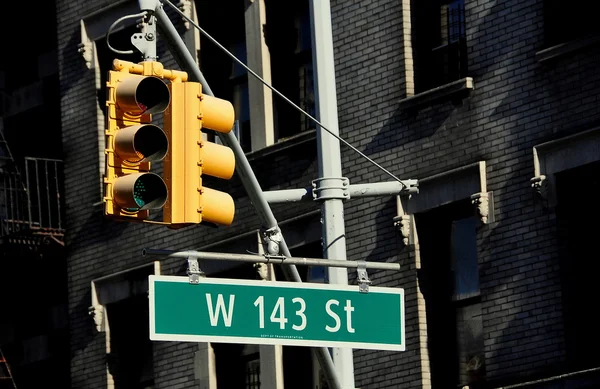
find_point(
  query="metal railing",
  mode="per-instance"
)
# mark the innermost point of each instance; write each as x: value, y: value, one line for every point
x: 31, y: 203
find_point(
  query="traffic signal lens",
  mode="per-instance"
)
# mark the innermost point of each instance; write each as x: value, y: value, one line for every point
x: 140, y: 191
x: 148, y: 192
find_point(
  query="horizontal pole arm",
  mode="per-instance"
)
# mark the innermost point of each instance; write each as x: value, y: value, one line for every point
x: 279, y: 259
x: 288, y: 195
x: 392, y: 188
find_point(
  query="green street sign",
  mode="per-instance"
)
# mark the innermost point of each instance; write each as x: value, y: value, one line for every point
x: 262, y: 312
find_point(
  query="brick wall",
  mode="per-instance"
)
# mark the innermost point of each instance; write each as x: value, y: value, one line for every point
x: 517, y: 103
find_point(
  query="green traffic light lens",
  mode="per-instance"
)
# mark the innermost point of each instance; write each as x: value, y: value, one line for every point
x: 149, y: 191
x: 140, y: 192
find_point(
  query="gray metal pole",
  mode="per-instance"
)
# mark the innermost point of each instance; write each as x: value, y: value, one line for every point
x: 279, y: 259
x: 330, y: 165
x: 374, y: 189
x: 244, y: 170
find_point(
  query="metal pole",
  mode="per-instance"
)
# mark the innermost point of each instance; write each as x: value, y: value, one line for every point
x: 330, y: 166
x: 243, y: 168
x: 374, y: 189
x: 275, y: 259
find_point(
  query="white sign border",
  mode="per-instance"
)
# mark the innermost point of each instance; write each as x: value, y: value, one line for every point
x: 274, y: 341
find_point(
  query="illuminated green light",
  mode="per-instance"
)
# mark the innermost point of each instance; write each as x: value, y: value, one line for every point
x: 139, y: 193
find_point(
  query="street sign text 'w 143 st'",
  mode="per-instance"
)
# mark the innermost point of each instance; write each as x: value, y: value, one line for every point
x: 261, y: 312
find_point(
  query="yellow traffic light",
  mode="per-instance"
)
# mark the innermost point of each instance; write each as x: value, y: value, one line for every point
x: 190, y: 157
x: 134, y: 93
x: 132, y: 143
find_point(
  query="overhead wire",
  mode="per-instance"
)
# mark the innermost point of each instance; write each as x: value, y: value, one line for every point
x: 213, y: 40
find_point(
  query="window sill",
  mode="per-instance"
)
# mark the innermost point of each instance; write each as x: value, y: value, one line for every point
x: 439, y: 93
x: 566, y: 48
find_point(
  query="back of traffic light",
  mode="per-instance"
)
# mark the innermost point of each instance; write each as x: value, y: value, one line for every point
x: 135, y: 92
x: 191, y: 157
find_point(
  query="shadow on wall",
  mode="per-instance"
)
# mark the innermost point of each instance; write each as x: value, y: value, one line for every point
x: 405, y: 127
x: 520, y: 93
x: 421, y: 135
x: 387, y: 238
x: 73, y: 64
x: 97, y: 229
x: 82, y: 338
x: 510, y: 261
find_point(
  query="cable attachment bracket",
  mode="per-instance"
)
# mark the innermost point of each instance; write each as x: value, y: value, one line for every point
x: 363, y: 277
x: 272, y: 239
x: 193, y: 271
x: 145, y: 41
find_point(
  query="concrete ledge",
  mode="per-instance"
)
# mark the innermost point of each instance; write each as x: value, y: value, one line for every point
x: 436, y: 94
x: 566, y: 48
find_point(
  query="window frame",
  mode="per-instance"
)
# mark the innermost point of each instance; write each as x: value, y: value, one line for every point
x: 443, y: 308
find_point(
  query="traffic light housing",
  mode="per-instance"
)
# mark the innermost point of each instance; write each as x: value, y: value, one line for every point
x: 134, y: 93
x: 191, y: 157
x: 133, y: 143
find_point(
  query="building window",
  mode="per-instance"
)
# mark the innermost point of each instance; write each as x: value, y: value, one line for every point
x: 449, y: 281
x: 579, y: 267
x: 120, y: 307
x: 288, y: 37
x: 227, y: 78
x: 439, y: 42
x: 241, y: 100
x: 567, y: 21
x: 130, y: 360
x: 253, y: 370
x: 305, y: 69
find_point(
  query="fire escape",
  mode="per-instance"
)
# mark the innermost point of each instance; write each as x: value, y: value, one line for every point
x: 30, y: 201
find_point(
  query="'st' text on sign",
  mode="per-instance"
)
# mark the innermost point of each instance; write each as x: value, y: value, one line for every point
x: 261, y: 312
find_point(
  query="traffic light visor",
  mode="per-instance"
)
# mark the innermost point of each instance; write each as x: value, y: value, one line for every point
x: 217, y: 207
x: 138, y: 95
x: 217, y: 114
x: 140, y: 191
x: 141, y: 143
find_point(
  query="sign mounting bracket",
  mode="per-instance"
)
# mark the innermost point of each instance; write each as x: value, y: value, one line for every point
x: 363, y: 277
x: 193, y: 271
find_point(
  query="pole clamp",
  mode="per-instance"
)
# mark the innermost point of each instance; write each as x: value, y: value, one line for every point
x: 363, y: 277
x: 193, y: 271
x: 330, y: 188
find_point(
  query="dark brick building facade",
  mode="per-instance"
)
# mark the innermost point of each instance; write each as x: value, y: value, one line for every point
x: 491, y: 105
